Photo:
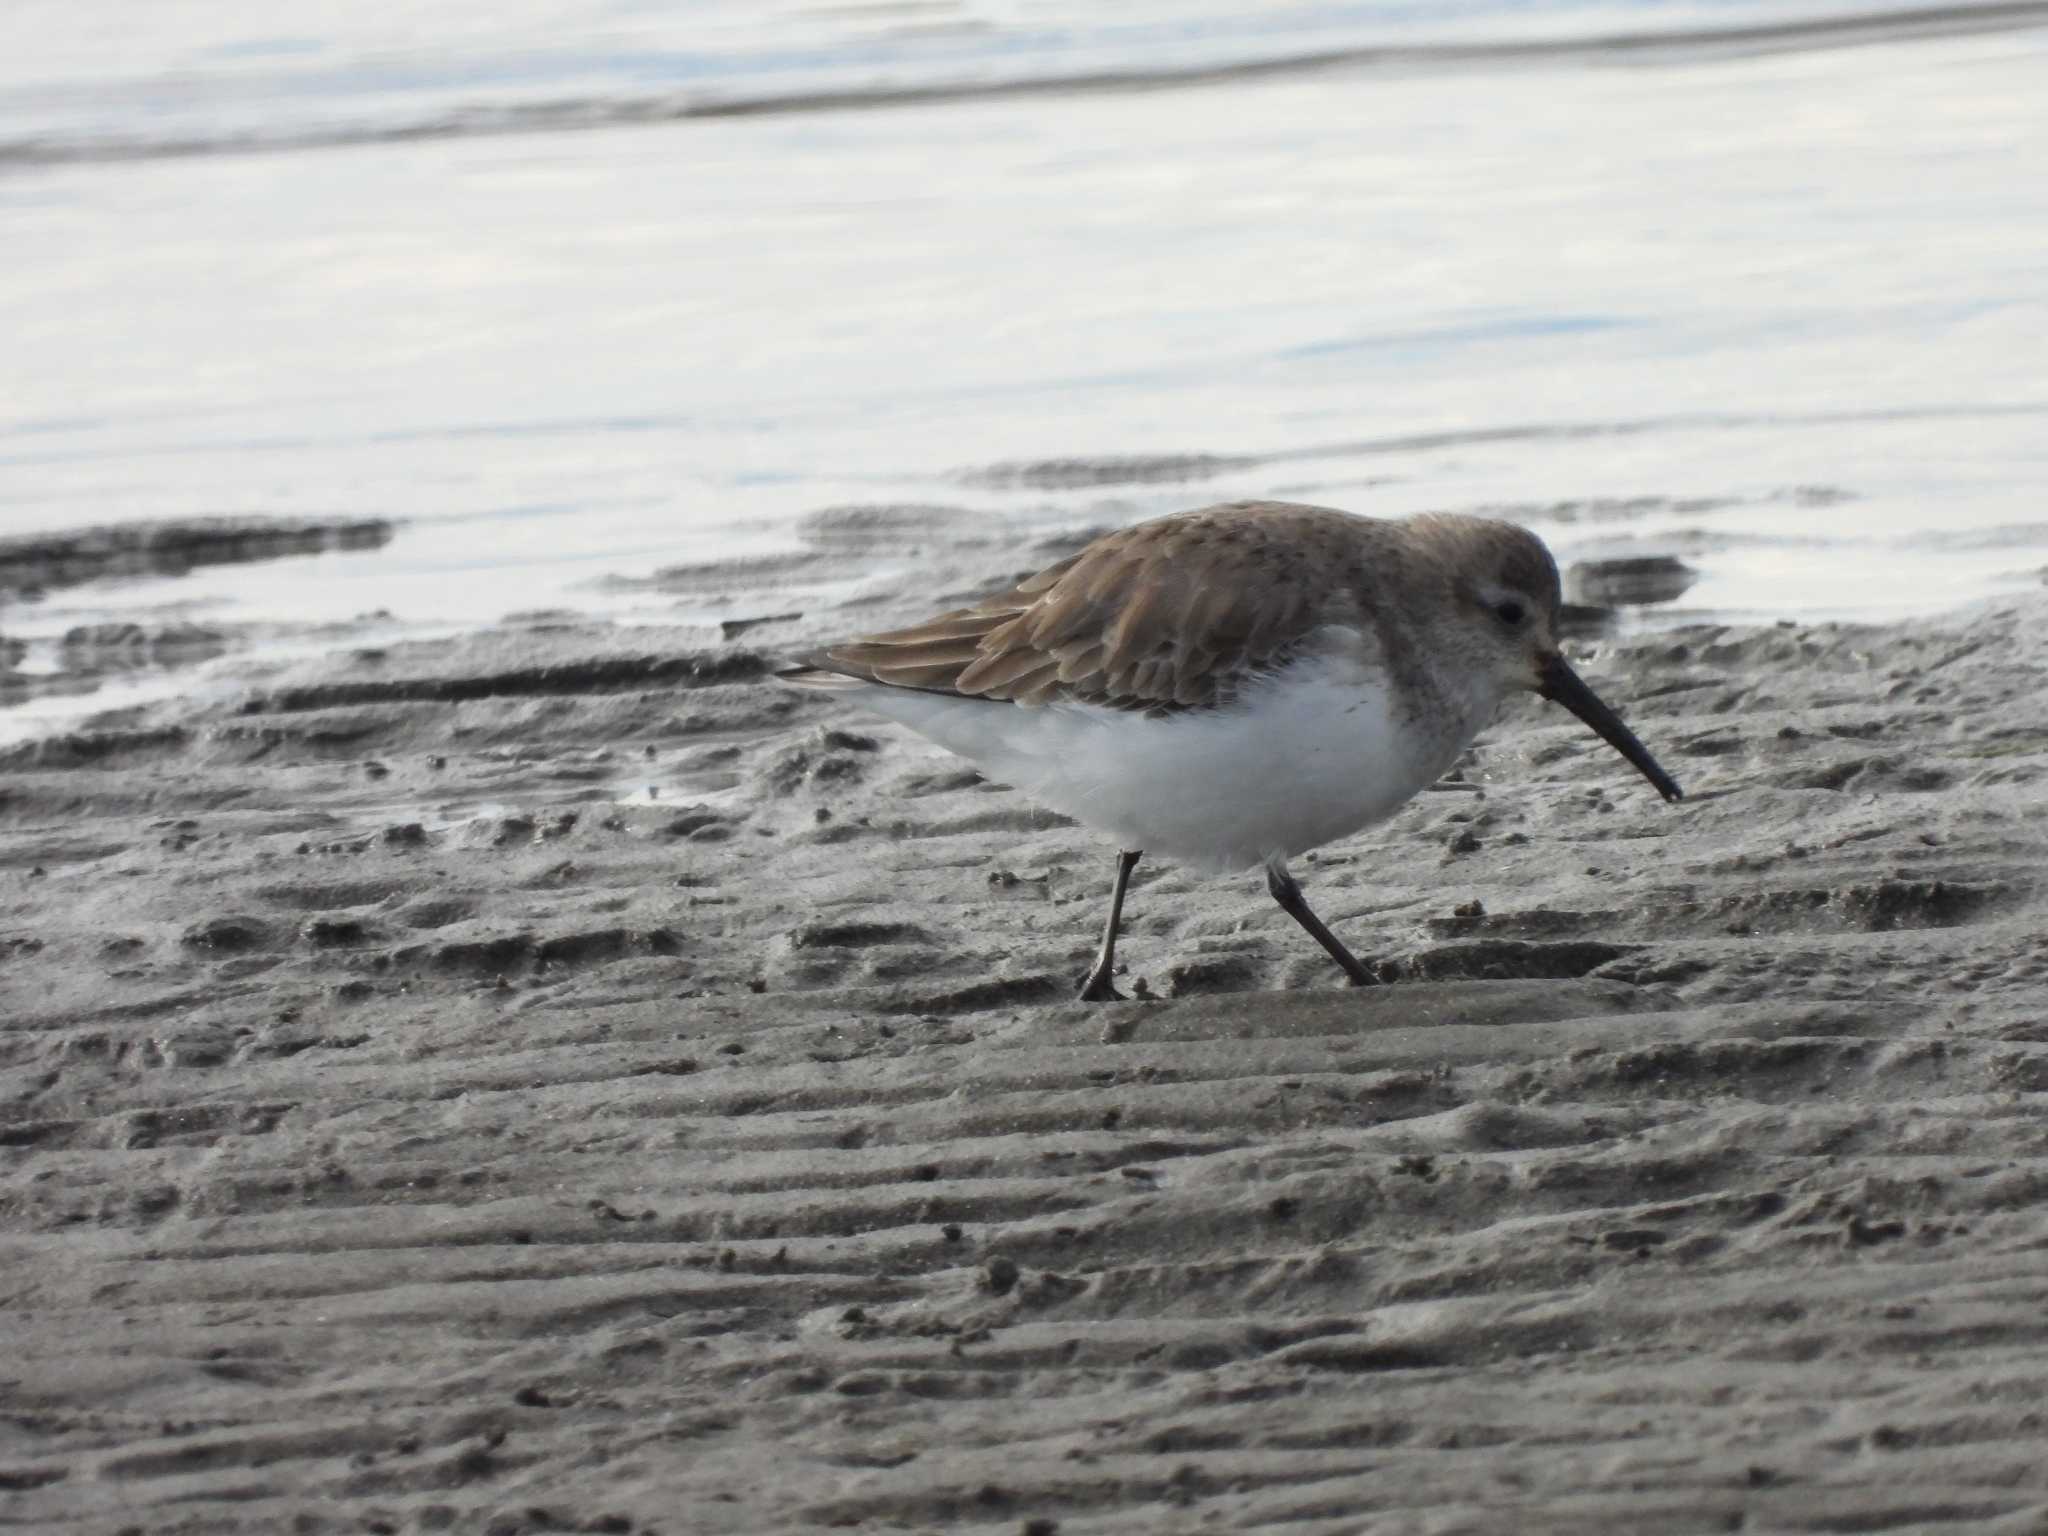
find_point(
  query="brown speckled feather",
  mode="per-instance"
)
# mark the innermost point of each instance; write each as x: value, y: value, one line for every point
x: 1166, y: 615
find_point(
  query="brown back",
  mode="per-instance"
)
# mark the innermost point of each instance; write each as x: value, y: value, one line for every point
x: 1170, y: 614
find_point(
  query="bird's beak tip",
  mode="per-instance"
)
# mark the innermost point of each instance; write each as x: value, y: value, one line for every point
x: 1561, y: 685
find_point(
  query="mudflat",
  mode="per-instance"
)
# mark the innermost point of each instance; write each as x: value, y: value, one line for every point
x: 558, y: 1079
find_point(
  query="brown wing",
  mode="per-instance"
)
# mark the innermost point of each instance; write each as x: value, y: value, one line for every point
x: 1168, y: 614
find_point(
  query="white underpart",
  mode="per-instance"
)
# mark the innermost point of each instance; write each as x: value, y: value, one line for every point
x: 1307, y: 755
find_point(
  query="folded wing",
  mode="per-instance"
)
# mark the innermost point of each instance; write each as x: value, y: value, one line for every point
x: 1171, y: 614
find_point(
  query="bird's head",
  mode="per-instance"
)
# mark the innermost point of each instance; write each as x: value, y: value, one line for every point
x: 1507, y: 599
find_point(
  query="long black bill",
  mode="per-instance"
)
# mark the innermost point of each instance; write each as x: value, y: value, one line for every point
x: 1561, y: 685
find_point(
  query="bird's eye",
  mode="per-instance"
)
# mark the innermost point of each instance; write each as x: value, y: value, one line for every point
x: 1511, y: 611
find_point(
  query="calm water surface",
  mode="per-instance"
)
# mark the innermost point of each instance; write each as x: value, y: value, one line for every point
x: 1756, y: 285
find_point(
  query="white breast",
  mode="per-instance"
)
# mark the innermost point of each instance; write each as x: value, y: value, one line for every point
x: 1309, y: 754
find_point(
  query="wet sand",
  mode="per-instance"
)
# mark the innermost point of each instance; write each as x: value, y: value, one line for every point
x: 559, y: 1080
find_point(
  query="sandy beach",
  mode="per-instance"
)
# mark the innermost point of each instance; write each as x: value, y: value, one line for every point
x: 478, y: 1054
x: 557, y: 1079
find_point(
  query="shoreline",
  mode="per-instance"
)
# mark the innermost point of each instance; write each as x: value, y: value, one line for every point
x: 485, y: 1075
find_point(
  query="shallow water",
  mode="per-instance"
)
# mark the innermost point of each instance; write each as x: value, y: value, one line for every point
x: 1761, y: 304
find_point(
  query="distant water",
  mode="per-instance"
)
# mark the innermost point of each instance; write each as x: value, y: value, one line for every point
x: 104, y: 78
x: 577, y: 291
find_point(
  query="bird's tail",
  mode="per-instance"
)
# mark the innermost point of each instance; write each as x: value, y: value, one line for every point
x: 818, y: 672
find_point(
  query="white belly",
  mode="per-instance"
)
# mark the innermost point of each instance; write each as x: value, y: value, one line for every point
x: 1307, y: 756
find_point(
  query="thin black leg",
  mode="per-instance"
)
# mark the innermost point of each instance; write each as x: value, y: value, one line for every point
x: 1295, y: 905
x: 1097, y: 989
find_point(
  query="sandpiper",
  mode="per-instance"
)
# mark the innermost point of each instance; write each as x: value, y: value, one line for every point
x: 1236, y: 685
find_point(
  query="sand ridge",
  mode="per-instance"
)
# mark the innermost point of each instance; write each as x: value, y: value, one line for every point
x: 559, y: 1080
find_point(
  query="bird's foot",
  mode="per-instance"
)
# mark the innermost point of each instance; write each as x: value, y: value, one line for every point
x: 1097, y: 989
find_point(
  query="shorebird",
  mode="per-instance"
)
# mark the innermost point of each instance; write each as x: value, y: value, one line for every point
x: 1233, y: 686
